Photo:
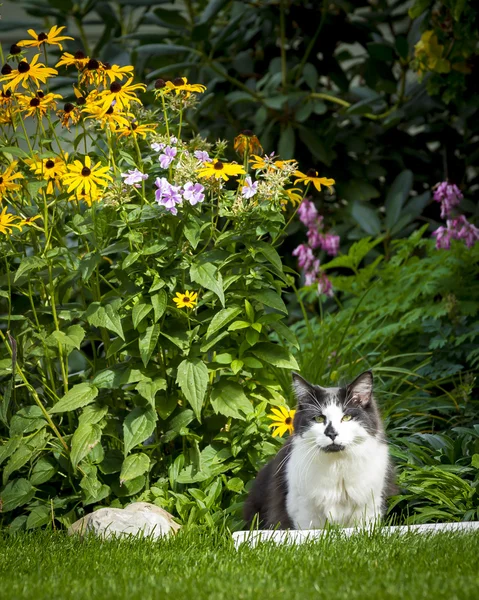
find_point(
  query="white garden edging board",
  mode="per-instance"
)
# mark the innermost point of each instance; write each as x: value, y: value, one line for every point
x: 252, y: 538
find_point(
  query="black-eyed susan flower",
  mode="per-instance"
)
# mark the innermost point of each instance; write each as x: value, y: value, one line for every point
x: 7, y: 179
x: 261, y: 163
x: 26, y: 73
x: 122, y: 95
x: 113, y: 73
x: 6, y: 98
x: 186, y: 300
x: 112, y: 118
x: 78, y: 60
x: 180, y: 84
x: 136, y: 130
x: 246, y: 141
x: 8, y: 221
x: 69, y: 115
x: 220, y: 170
x: 49, y: 169
x: 283, y: 419
x: 89, y: 197
x: 53, y: 38
x: 293, y: 196
x: 38, y: 104
x: 313, y: 177
x: 86, y: 178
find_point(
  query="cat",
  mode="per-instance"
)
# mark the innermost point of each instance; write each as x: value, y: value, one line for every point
x: 335, y: 468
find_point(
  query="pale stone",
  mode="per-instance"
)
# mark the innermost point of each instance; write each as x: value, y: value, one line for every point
x: 139, y: 518
x: 252, y: 538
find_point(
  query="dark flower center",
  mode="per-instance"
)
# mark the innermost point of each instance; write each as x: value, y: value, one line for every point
x: 6, y: 69
x: 134, y: 126
x: 160, y: 83
x: 49, y: 164
x: 311, y: 173
x: 42, y: 36
x: 7, y: 94
x: 218, y: 165
x: 81, y: 101
x: 178, y: 81
x: 85, y: 171
x: 34, y: 102
x: 40, y: 94
x: 1, y: 180
x: 288, y: 421
x: 79, y: 54
x: 23, y: 67
x: 68, y: 107
x: 110, y: 110
x: 115, y: 87
x: 247, y: 132
x: 15, y: 49
x: 106, y: 66
x: 92, y: 64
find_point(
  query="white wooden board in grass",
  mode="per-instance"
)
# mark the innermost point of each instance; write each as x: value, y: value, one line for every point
x: 252, y: 538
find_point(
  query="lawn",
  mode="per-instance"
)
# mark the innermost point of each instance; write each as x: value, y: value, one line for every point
x: 205, y: 565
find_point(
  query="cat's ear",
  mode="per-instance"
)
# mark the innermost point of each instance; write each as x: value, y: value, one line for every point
x: 304, y: 391
x: 360, y: 391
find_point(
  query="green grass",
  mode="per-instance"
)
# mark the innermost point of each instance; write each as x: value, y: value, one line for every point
x: 203, y: 565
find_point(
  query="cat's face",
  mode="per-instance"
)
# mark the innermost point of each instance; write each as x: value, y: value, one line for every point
x: 336, y: 419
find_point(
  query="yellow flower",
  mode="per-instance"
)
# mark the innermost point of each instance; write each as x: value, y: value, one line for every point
x: 70, y: 114
x: 6, y: 115
x: 89, y: 197
x: 25, y: 72
x: 246, y: 141
x: 37, y: 105
x: 136, y: 130
x: 7, y: 179
x: 6, y: 98
x: 121, y: 94
x: 312, y: 177
x: 114, y: 72
x: 180, y: 84
x: 113, y: 117
x: 261, y: 163
x: 293, y: 196
x: 52, y: 170
x: 220, y: 170
x: 7, y: 222
x: 283, y: 419
x: 429, y: 54
x: 78, y: 60
x: 186, y: 300
x: 84, y: 179
x: 53, y: 38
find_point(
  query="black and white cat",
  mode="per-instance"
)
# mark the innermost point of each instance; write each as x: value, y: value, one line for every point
x: 335, y: 468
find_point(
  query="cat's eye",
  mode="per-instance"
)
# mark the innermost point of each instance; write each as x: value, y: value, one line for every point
x: 320, y: 419
x: 347, y: 418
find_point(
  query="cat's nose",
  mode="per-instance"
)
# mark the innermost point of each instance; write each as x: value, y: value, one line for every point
x: 331, y: 432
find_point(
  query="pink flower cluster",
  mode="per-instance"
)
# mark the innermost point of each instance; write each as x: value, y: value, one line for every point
x: 458, y: 228
x: 317, y: 238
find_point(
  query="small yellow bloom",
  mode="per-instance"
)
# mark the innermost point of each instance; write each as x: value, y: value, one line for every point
x: 180, y: 84
x: 114, y: 72
x: 69, y: 115
x: 113, y: 117
x: 6, y: 98
x: 220, y: 170
x: 246, y: 141
x: 283, y: 419
x: 186, y: 300
x: 120, y: 94
x: 293, y: 196
x: 429, y: 54
x: 7, y: 179
x: 7, y: 222
x: 268, y: 163
x: 38, y: 104
x: 84, y: 179
x: 53, y: 38
x: 78, y: 60
x: 26, y: 72
x: 312, y: 177
x: 135, y: 130
x: 51, y: 170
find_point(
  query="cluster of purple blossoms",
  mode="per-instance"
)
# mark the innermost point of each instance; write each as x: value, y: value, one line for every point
x: 250, y: 189
x: 167, y: 157
x: 202, y: 156
x: 134, y: 177
x: 458, y: 228
x: 317, y: 238
x: 170, y: 196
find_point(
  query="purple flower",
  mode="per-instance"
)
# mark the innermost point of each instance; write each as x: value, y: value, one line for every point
x: 325, y: 286
x: 330, y: 243
x: 167, y: 157
x: 157, y: 147
x: 167, y: 195
x: 314, y: 238
x: 250, y: 188
x: 449, y: 195
x: 311, y: 275
x: 308, y: 215
x: 173, y: 139
x: 193, y: 192
x: 134, y: 177
x: 202, y: 155
x: 464, y: 230
x: 443, y: 238
x: 305, y: 256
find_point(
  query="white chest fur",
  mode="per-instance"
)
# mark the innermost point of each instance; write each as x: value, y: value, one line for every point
x: 345, y: 487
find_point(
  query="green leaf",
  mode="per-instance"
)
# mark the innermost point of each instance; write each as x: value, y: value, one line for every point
x: 208, y: 276
x: 228, y: 398
x: 475, y: 461
x: 15, y: 494
x: 85, y: 438
x: 192, y: 232
x: 163, y: 49
x: 104, y: 316
x: 93, y: 413
x: 31, y: 263
x: 285, y: 332
x: 286, y: 143
x: 397, y: 196
x: 275, y: 355
x: 70, y: 339
x: 138, y: 426
x: 139, y: 312
x: 149, y: 389
x: 18, y: 459
x: 214, y: 341
x: 221, y: 318
x: 134, y: 466
x: 380, y: 51
x: 147, y: 342
x: 366, y: 218
x: 27, y: 419
x: 192, y: 377
x: 159, y: 302
x: 38, y: 517
x: 14, y: 151
x: 44, y: 469
x: 212, y: 9
x: 79, y: 395
x: 269, y: 298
